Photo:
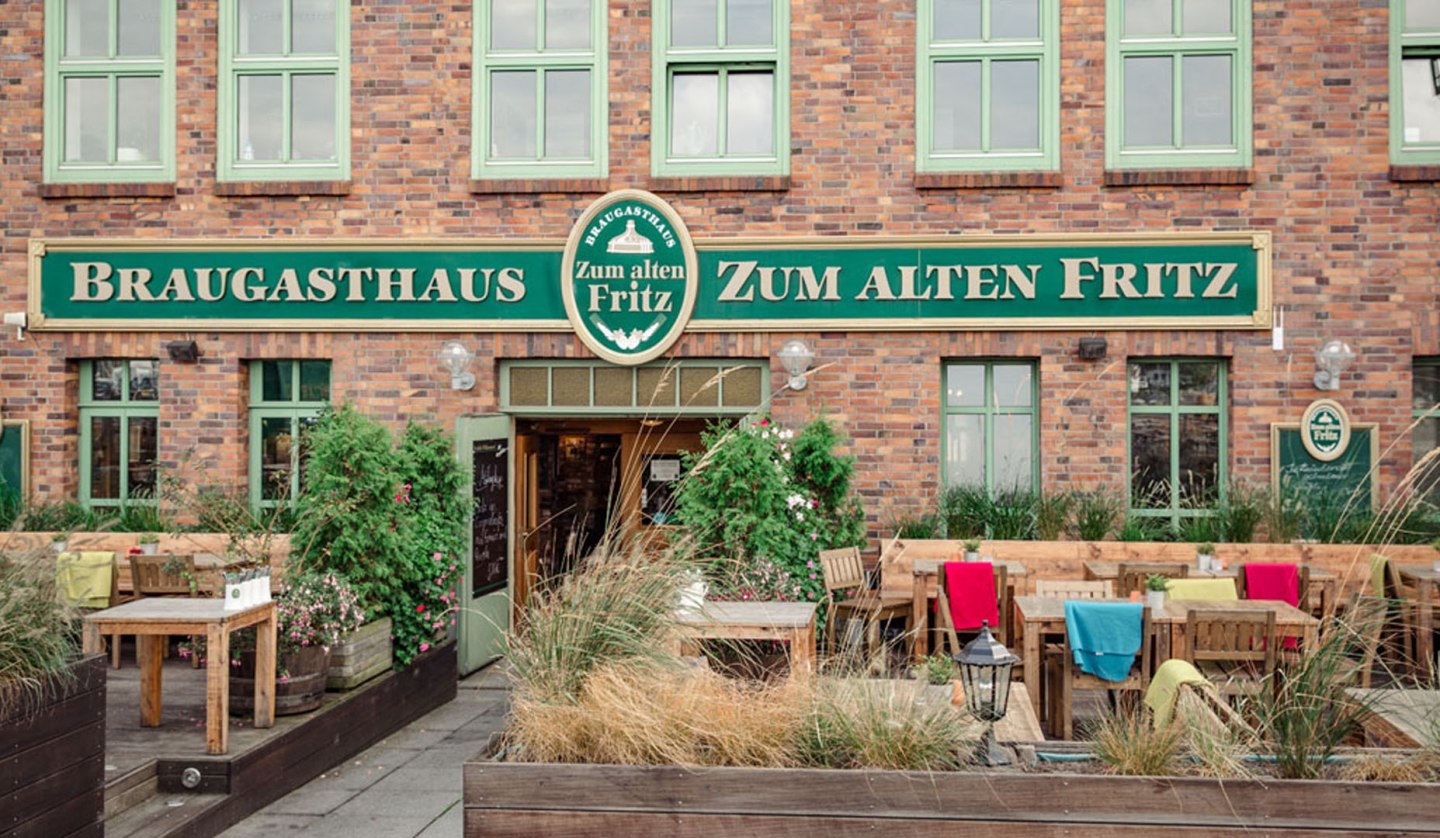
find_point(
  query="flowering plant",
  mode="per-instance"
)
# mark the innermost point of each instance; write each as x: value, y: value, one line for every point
x: 313, y: 609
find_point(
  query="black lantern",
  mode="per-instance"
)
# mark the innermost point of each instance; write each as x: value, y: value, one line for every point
x: 985, y: 666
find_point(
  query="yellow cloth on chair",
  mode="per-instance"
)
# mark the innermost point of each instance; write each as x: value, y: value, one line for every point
x: 1207, y: 589
x: 1165, y: 686
x: 84, y: 578
x: 1378, y: 566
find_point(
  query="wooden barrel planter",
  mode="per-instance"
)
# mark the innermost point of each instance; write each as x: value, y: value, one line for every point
x: 300, y: 690
x: 361, y: 655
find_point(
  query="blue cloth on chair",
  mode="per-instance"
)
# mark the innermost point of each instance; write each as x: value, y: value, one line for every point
x: 1104, y: 636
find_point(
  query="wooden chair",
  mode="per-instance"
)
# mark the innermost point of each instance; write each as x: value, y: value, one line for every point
x: 164, y: 576
x: 1074, y: 589
x: 1064, y: 678
x: 843, y: 569
x: 1364, y: 621
x: 946, y: 626
x: 1132, y: 575
x: 1399, y: 628
x: 1304, y: 588
x: 1237, y: 650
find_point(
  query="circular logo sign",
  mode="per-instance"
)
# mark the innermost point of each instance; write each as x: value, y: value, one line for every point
x: 1325, y: 430
x: 629, y: 277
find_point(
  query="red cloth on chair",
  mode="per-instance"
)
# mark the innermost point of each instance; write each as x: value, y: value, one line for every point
x: 1277, y: 581
x: 970, y: 586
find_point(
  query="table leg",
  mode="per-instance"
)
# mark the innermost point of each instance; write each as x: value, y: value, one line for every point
x: 150, y: 649
x: 265, y: 673
x: 90, y: 641
x: 1030, y: 661
x: 802, y: 648
x: 217, y: 690
x: 918, y: 623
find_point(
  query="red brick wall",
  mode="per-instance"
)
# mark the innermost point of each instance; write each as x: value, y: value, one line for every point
x: 1355, y: 253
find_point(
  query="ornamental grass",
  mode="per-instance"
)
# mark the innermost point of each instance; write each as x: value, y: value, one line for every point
x: 37, y: 642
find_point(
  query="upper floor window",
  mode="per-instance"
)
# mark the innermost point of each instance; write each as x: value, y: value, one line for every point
x: 988, y: 85
x: 284, y: 97
x: 109, y: 91
x: 1177, y: 84
x: 1415, y: 81
x: 119, y: 431
x: 539, y: 89
x: 720, y: 94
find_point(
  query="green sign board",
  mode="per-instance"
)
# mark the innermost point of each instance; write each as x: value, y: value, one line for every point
x: 1293, y: 467
x: 14, y: 459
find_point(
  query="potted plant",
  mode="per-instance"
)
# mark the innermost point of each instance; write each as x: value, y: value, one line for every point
x: 149, y: 543
x: 938, y: 670
x: 1155, y: 587
x: 1205, y: 556
x: 60, y: 542
x: 972, y: 549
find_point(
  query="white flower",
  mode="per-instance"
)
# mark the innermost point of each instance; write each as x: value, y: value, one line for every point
x: 799, y: 516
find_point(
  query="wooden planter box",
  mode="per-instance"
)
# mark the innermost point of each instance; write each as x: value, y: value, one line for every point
x: 523, y: 799
x: 52, y: 760
x: 361, y: 655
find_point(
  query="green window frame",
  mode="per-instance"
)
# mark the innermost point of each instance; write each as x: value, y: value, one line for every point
x: 986, y: 47
x: 1174, y: 39
x: 734, y: 65
x: 119, y: 415
x: 270, y: 78
x: 1415, y: 63
x: 1425, y: 423
x: 1181, y: 412
x: 91, y: 76
x: 552, y: 57
x: 1004, y: 410
x: 678, y: 387
x: 286, y: 396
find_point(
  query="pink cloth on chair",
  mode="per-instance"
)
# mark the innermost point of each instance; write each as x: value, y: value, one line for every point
x: 970, y: 586
x: 1277, y: 581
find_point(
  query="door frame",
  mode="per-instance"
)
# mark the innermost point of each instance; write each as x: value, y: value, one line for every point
x: 477, y: 614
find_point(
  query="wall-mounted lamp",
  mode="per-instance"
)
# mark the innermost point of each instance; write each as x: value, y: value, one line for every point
x: 455, y: 359
x: 1333, y: 358
x: 795, y: 357
x: 183, y: 351
x: 1093, y: 349
x: 18, y: 320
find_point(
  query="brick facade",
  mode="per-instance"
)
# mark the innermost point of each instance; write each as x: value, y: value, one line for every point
x: 1356, y: 246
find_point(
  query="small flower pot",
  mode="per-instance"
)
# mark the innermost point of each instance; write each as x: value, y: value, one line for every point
x: 58, y: 546
x: 1155, y: 600
x: 1206, y: 562
x: 148, y: 549
x: 972, y: 556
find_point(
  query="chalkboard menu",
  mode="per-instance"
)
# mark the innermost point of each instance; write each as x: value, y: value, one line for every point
x: 14, y: 459
x: 490, y: 552
x: 1292, y: 466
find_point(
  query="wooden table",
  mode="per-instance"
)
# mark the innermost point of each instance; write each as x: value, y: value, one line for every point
x: 1399, y: 718
x: 1324, y: 581
x: 155, y: 618
x: 927, y: 578
x: 1427, y: 585
x: 791, y: 622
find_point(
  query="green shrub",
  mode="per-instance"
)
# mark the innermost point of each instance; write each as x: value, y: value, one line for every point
x: 1052, y: 514
x: 1283, y: 514
x: 1012, y: 516
x: 916, y: 526
x: 1241, y: 512
x: 1096, y: 511
x: 135, y: 517
x: 1145, y: 528
x: 965, y: 511
x: 1200, y: 528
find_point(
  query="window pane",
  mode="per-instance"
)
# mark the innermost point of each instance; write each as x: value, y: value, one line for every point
x: 749, y: 22
x: 512, y: 24
x: 964, y: 449
x: 1206, y: 17
x: 314, y: 381
x: 965, y: 385
x: 312, y: 117
x: 262, y: 27
x: 1150, y: 384
x: 1427, y: 386
x: 1199, y: 460
x: 1150, y: 17
x: 260, y: 117
x: 303, y: 427
x: 567, y: 113
x: 693, y: 23
x: 276, y: 441
x: 1150, y: 461
x: 144, y: 381
x: 87, y: 107
x: 957, y: 106
x: 105, y: 457
x: 1206, y: 94
x: 276, y: 384
x: 1012, y: 385
x: 567, y: 24
x: 694, y: 109
x: 1014, y: 18
x: 512, y: 114
x: 138, y: 129
x: 1422, y: 106
x: 750, y: 123
x: 138, y: 22
x: 957, y: 20
x: 1422, y: 14
x: 1149, y: 105
x: 1014, y: 468
x: 1014, y: 105
x: 312, y: 28
x: 142, y: 454
x: 109, y: 381
x: 1200, y: 384
x: 87, y: 31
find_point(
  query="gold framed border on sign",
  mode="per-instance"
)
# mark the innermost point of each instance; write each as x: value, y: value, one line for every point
x: 1316, y: 413
x: 16, y: 433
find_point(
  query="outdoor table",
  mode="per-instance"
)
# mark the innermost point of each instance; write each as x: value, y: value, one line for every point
x: 927, y: 578
x: 1324, y: 581
x: 792, y: 622
x: 1398, y: 718
x: 154, y: 618
x: 1426, y: 580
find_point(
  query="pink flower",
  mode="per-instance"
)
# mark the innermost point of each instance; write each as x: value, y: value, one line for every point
x: 419, y: 609
x: 424, y: 647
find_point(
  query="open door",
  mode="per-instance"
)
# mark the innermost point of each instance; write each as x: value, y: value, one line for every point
x: 486, y: 446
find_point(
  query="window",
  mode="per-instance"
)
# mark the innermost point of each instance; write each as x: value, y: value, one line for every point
x: 990, y: 432
x: 1415, y: 81
x: 284, y: 97
x: 720, y: 98
x: 119, y: 431
x: 109, y: 91
x: 670, y: 388
x: 539, y: 89
x: 1425, y: 414
x: 987, y: 85
x: 1177, y: 84
x: 1177, y: 437
x: 285, y: 398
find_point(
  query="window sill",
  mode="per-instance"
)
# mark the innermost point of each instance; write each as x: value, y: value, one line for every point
x: 107, y: 190
x: 988, y: 180
x: 1413, y: 173
x: 721, y: 183
x: 257, y: 188
x: 495, y: 186
x: 1179, y: 177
